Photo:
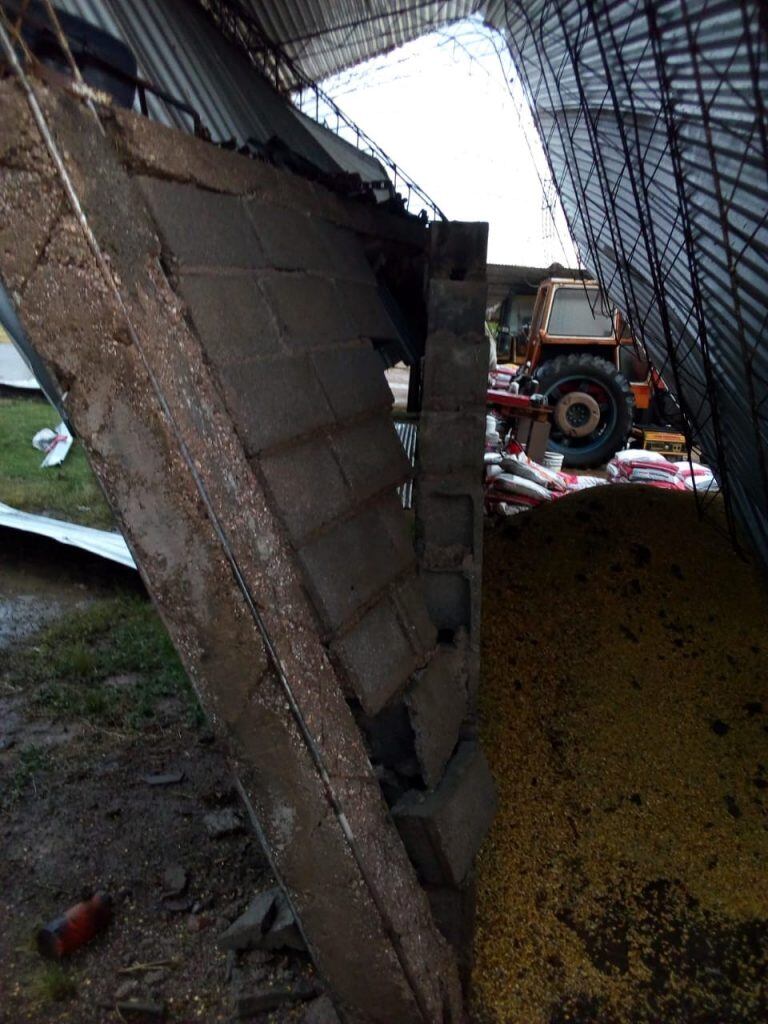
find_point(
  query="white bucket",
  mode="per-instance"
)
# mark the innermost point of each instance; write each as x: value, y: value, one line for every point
x: 553, y: 460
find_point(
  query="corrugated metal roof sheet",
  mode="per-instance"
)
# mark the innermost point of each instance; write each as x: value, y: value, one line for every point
x: 324, y: 38
x: 178, y: 49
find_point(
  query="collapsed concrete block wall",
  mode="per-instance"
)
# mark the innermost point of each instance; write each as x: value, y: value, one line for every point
x: 215, y: 336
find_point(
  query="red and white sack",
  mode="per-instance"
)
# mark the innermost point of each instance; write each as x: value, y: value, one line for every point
x: 573, y: 482
x: 639, y: 455
x: 521, y: 465
x: 519, y: 485
x: 697, y: 477
x: 642, y: 467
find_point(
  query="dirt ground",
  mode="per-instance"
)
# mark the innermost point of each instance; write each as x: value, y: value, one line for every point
x: 92, y: 702
x: 624, y: 712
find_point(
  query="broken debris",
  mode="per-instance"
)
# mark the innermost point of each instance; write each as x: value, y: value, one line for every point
x: 321, y: 1011
x: 175, y: 880
x: 226, y: 822
x: 137, y: 1011
x: 163, y: 778
x: 267, y: 924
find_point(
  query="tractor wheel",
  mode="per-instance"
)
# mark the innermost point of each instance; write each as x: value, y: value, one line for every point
x: 593, y: 406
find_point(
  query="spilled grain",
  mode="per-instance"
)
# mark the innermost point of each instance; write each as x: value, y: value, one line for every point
x: 625, y: 715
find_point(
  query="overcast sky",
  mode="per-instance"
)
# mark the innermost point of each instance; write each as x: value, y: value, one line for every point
x: 444, y: 109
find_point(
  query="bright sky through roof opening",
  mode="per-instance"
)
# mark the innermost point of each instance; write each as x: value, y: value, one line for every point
x: 445, y: 109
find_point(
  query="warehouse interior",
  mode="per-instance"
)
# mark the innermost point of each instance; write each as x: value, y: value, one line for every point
x: 209, y: 288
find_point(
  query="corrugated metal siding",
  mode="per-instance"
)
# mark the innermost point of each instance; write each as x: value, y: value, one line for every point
x: 654, y: 123
x: 408, y: 432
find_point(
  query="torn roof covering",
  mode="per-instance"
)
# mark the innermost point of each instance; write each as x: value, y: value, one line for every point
x: 194, y: 73
x: 653, y: 117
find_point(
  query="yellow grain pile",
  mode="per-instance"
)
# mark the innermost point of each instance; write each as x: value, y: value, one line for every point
x: 625, y: 715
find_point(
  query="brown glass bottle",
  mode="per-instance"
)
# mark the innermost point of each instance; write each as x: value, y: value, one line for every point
x: 75, y: 926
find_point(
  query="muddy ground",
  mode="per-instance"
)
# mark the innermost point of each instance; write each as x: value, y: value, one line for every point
x: 625, y: 715
x: 92, y: 702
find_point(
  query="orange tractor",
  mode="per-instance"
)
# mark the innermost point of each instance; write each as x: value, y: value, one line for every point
x: 582, y: 357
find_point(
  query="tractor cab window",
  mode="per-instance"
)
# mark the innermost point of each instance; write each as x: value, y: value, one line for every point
x: 572, y: 315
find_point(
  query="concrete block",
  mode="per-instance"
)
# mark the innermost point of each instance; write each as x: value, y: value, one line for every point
x: 390, y: 740
x: 347, y: 566
x: 456, y: 371
x: 454, y: 910
x: 449, y: 600
x: 290, y: 239
x: 309, y: 310
x: 345, y: 255
x: 437, y: 704
x: 371, y: 456
x: 457, y: 250
x: 231, y: 316
x: 457, y: 306
x: 366, y: 312
x: 353, y: 380
x: 376, y: 656
x: 452, y: 442
x: 399, y: 527
x: 306, y: 485
x: 283, y: 933
x: 321, y: 1011
x: 274, y: 400
x: 153, y: 149
x: 443, y: 829
x: 448, y: 521
x: 410, y: 597
x: 37, y: 206
x: 201, y: 228
x: 251, y: 927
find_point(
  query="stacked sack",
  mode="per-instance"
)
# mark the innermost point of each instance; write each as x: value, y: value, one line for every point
x: 514, y: 483
x: 637, y: 466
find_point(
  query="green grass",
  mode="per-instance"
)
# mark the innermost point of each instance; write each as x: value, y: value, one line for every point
x: 69, y: 491
x: 53, y: 984
x: 64, y: 668
x: 32, y: 761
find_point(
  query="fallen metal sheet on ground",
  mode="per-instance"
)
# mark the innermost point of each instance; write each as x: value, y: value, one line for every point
x: 104, y: 543
x: 14, y: 372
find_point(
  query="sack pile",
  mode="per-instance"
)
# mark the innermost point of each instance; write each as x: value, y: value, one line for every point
x: 643, y: 467
x: 514, y: 483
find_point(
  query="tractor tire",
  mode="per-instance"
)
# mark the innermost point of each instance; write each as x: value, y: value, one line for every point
x: 593, y: 408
